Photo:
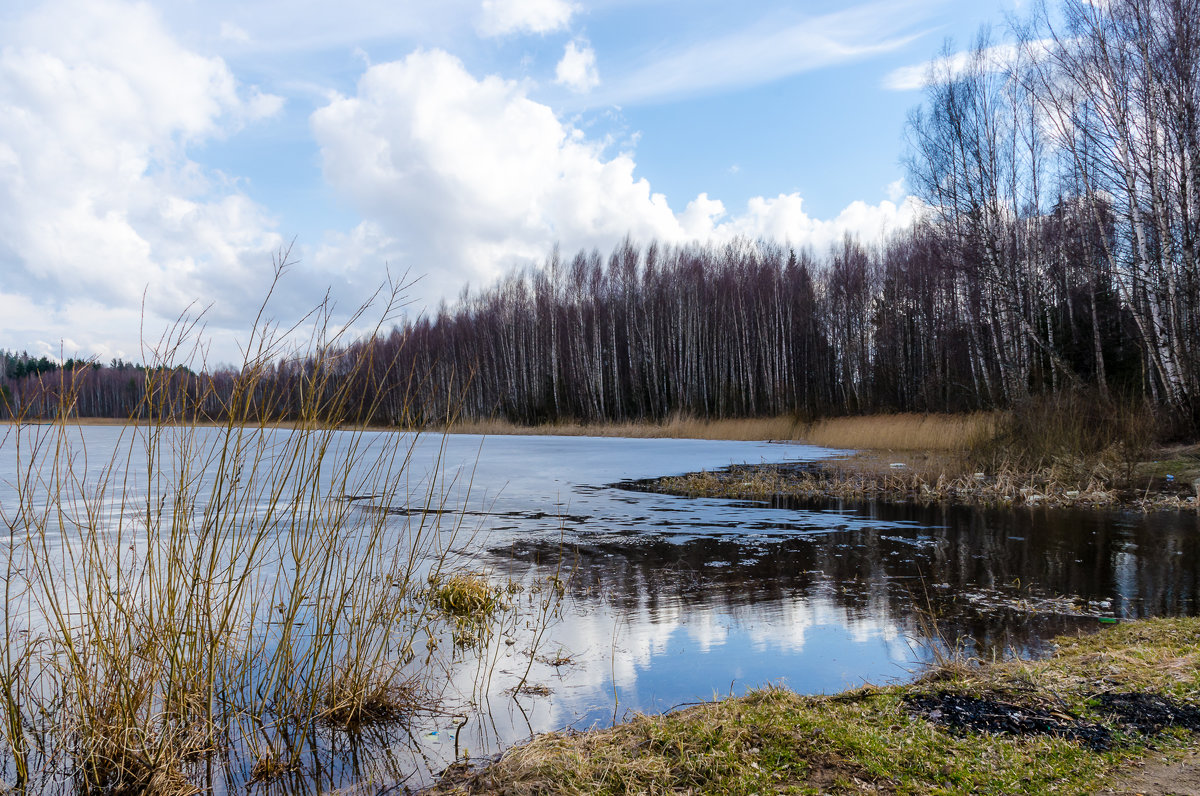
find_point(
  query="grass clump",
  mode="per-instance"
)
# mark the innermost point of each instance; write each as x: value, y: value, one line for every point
x: 470, y: 602
x: 874, y: 739
x: 465, y: 595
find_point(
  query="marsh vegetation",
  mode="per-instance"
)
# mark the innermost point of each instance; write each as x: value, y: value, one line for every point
x: 192, y: 607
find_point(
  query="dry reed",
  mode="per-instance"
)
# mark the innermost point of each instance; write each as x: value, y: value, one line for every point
x: 886, y: 432
x: 902, y: 432
x: 678, y: 427
x: 206, y: 592
x: 929, y: 480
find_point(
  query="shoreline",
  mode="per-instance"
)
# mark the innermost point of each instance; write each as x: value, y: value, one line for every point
x: 1113, y: 712
x: 895, y: 432
x: 923, y: 479
x: 898, y: 458
x: 890, y: 739
x: 750, y: 430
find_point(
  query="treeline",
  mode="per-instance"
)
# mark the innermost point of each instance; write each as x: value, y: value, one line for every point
x: 39, y: 387
x: 1062, y: 178
x: 752, y: 328
x: 1057, y: 250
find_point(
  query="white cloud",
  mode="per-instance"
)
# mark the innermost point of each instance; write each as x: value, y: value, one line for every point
x: 908, y: 78
x: 472, y: 175
x: 460, y: 178
x: 698, y: 220
x: 232, y: 32
x: 768, y: 50
x: 577, y: 69
x: 996, y: 58
x: 99, y: 203
x: 500, y: 17
x: 782, y: 218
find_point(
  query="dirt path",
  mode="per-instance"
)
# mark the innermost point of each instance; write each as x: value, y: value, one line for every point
x: 1155, y: 778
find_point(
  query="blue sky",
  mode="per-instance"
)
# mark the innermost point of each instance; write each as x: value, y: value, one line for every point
x: 154, y: 155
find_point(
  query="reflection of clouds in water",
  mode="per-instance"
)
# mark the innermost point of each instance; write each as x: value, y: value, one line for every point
x: 639, y: 640
x: 707, y: 631
x: 754, y: 644
x: 787, y: 625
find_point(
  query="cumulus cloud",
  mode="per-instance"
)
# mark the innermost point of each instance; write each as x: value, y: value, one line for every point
x: 99, y: 203
x: 577, y: 69
x: 783, y: 218
x: 461, y: 178
x: 472, y: 175
x: 500, y: 17
x: 232, y: 32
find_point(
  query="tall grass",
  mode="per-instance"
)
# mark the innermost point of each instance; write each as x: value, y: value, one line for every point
x: 676, y: 427
x: 891, y: 432
x: 903, y: 432
x: 1077, y: 433
x: 202, y: 593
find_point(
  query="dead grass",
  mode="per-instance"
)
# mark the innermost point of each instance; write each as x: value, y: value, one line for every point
x: 752, y: 429
x: 902, y: 432
x: 896, y: 432
x: 871, y: 740
x: 886, y: 432
x: 908, y: 477
x: 189, y: 591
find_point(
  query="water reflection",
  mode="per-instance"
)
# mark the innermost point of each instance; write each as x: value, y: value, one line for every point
x: 1006, y: 579
x: 671, y: 600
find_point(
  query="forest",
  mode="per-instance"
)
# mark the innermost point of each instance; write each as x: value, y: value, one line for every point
x: 1059, y: 173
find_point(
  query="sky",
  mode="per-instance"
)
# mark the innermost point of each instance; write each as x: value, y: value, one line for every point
x: 157, y: 158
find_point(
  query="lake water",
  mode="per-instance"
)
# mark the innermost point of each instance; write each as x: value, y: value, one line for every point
x: 672, y: 600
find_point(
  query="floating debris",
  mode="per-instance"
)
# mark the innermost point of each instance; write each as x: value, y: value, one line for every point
x: 1030, y: 602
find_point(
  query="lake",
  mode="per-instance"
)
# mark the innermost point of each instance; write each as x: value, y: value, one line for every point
x: 670, y: 600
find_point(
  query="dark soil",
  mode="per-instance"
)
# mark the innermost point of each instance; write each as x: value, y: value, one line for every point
x: 1144, y: 713
x: 962, y: 712
x: 1149, y: 713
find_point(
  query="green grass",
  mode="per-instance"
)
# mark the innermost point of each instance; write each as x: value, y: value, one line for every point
x: 465, y: 595
x: 775, y: 741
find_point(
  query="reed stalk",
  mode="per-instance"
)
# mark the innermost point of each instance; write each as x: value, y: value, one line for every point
x: 202, y: 593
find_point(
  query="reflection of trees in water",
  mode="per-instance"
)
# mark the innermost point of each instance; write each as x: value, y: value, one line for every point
x: 325, y: 759
x: 956, y: 563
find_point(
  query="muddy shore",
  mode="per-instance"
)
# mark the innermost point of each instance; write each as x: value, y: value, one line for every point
x: 929, y: 478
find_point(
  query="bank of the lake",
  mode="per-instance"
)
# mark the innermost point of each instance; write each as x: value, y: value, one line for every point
x: 1112, y: 712
x: 1169, y: 482
x: 657, y: 601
